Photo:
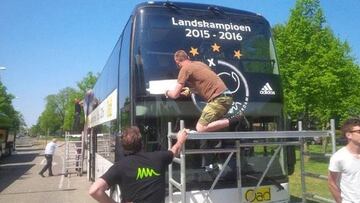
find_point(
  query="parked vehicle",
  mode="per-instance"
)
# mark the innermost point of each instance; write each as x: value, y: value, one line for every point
x: 7, y: 137
x: 7, y: 142
x: 237, y: 45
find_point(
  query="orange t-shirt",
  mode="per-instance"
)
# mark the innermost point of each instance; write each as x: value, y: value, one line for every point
x: 200, y: 77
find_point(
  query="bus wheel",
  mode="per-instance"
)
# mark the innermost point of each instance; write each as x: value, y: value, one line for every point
x: 115, y: 193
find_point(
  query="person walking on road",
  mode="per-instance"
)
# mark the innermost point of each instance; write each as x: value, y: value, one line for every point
x: 49, y: 153
x: 210, y: 87
x: 140, y: 175
x: 344, y: 166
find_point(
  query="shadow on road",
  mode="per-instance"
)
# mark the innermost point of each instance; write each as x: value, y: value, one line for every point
x: 42, y: 191
x: 23, y: 149
x: 13, y: 167
x: 9, y: 174
x: 19, y: 158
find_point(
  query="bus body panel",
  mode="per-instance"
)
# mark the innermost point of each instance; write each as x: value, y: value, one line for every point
x: 102, y: 165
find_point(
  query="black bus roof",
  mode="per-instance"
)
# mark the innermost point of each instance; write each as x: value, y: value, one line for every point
x: 198, y: 6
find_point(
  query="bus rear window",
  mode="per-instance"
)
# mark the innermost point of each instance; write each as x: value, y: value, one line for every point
x: 242, y: 41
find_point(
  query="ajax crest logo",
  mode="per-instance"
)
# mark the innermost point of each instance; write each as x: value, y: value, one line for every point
x: 234, y: 80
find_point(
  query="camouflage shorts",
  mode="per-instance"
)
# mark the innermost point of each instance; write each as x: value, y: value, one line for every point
x: 215, y: 110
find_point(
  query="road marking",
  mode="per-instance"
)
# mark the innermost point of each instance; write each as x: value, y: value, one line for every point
x: 68, y: 181
x: 62, y: 176
x: 61, y: 182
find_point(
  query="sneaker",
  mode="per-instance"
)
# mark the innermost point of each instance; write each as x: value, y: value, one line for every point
x: 42, y: 175
x: 243, y: 125
x: 51, y: 175
x: 238, y: 122
x: 209, y: 168
x: 218, y: 145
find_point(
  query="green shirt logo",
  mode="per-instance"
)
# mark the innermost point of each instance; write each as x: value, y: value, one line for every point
x: 145, y: 173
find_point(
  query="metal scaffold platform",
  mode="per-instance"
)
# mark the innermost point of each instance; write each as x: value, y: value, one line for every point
x: 277, y: 139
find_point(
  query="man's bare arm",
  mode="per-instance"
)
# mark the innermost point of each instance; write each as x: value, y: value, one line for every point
x: 181, y: 138
x: 334, y: 188
x: 97, y: 191
x: 175, y: 93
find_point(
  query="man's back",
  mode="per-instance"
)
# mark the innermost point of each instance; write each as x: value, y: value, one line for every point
x: 141, y: 176
x: 50, y: 148
x: 205, y: 81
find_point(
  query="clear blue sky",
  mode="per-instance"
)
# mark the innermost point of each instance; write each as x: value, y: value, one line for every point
x: 48, y: 45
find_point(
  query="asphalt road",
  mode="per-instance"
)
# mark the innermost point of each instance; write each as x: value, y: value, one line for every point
x: 21, y: 183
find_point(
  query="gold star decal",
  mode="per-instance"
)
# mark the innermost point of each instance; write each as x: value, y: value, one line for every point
x: 215, y: 47
x: 237, y: 54
x: 194, y: 51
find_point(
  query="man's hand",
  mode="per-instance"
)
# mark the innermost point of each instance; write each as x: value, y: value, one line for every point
x: 181, y: 138
x: 185, y: 91
x: 175, y: 93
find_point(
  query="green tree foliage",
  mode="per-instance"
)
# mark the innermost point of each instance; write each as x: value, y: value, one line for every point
x: 9, y: 117
x: 87, y: 82
x: 52, y: 117
x: 320, y: 78
x: 58, y: 115
x: 36, y: 130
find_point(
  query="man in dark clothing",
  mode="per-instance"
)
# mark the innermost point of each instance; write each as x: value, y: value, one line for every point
x: 140, y: 175
x: 77, y: 113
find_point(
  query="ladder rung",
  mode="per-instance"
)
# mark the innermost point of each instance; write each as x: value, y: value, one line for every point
x: 72, y: 160
x: 73, y: 167
x: 176, y: 184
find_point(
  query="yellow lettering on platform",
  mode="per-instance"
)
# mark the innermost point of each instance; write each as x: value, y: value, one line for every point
x: 260, y: 195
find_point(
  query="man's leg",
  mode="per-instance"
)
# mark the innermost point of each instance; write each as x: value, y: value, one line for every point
x: 211, y: 118
x: 213, y: 126
x: 239, y: 121
x: 47, y: 165
x: 49, y: 159
x: 43, y: 170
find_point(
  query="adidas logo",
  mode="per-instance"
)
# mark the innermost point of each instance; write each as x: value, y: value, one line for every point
x: 267, y: 90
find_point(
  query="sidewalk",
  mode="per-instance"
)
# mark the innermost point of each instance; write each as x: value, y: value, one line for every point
x: 20, y: 182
